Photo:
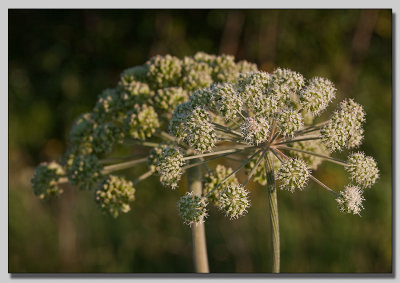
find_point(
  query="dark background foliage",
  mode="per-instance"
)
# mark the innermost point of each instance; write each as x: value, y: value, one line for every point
x: 60, y: 60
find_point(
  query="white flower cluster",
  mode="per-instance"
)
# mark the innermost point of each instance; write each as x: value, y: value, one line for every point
x: 202, y: 137
x: 289, y: 121
x: 166, y: 99
x: 363, y: 169
x: 114, y: 195
x: 350, y: 200
x: 293, y: 174
x: 234, y: 201
x: 45, y: 180
x: 255, y: 130
x: 316, y: 96
x: 344, y: 129
x: 226, y: 100
x: 192, y: 208
x: 169, y: 167
x: 154, y: 156
x: 141, y: 122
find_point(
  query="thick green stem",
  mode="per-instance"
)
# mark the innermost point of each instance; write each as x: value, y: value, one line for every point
x: 198, y: 231
x: 273, y: 213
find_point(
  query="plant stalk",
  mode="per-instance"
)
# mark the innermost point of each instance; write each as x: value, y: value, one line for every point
x: 273, y: 213
x: 200, y: 259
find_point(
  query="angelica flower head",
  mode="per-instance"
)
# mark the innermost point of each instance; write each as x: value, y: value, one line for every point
x: 363, y: 169
x: 177, y: 122
x: 154, y: 156
x: 169, y: 167
x: 114, y: 195
x: 105, y: 136
x: 45, y: 180
x: 293, y: 174
x: 164, y: 71
x: 234, y: 201
x: 192, y: 208
x: 289, y: 121
x: 226, y: 100
x: 81, y: 131
x: 195, y: 74
x: 255, y: 130
x: 166, y: 99
x: 108, y: 104
x: 344, y: 129
x: 202, y: 137
x: 83, y: 171
x: 286, y: 84
x: 350, y: 200
x: 316, y: 96
x: 141, y: 122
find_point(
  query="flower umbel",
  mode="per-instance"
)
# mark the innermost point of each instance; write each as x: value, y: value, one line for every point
x: 350, y: 200
x: 192, y: 208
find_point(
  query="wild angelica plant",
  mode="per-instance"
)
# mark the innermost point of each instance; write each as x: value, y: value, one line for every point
x: 203, y: 108
x: 137, y: 112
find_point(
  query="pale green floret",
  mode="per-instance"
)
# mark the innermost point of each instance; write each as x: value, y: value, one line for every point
x: 132, y: 75
x: 169, y: 167
x: 316, y: 96
x: 192, y: 209
x: 83, y: 170
x: 293, y: 174
x: 137, y: 93
x: 315, y: 146
x: 105, y: 136
x: 224, y: 69
x: 82, y: 128
x: 253, y: 91
x: 177, y: 122
x: 286, y: 85
x: 114, y: 195
x: 213, y: 178
x: 108, y: 104
x: 205, y: 57
x: 350, y: 200
x: 362, y: 169
x: 246, y: 67
x: 255, y: 130
x: 344, y: 129
x: 201, y: 97
x: 45, y: 180
x: 234, y: 201
x: 288, y: 122
x: 259, y: 80
x: 164, y: 71
x: 201, y: 135
x: 195, y: 74
x: 226, y: 100
x: 166, y: 99
x: 141, y: 122
x: 154, y: 156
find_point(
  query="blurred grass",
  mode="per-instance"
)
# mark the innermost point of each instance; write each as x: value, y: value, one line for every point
x: 60, y: 60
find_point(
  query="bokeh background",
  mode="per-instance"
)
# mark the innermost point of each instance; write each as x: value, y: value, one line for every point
x: 60, y: 60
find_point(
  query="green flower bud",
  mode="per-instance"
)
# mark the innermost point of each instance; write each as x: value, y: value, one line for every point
x: 45, y: 180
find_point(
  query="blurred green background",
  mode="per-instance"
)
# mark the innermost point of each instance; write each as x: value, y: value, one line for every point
x: 60, y: 60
